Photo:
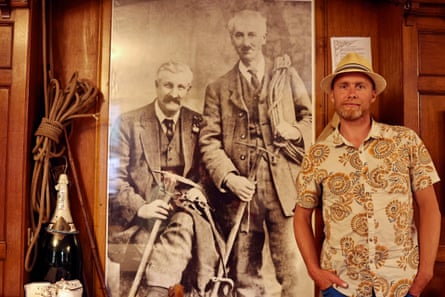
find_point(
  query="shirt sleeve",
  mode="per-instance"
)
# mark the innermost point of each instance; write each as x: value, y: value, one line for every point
x: 422, y: 171
x: 308, y: 186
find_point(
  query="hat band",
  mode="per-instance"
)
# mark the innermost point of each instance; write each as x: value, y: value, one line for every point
x: 353, y: 65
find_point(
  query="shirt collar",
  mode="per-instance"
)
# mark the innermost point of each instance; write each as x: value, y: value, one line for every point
x: 161, y: 116
x: 260, y: 68
x: 374, y: 133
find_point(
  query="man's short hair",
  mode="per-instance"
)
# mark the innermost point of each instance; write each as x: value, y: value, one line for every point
x: 175, y: 67
x: 247, y: 14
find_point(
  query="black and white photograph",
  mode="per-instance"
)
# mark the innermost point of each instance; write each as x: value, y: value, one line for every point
x: 210, y: 114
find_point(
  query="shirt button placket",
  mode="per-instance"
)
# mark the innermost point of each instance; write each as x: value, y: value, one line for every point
x: 369, y: 209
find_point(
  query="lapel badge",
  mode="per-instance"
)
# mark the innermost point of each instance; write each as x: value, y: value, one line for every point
x: 196, y: 124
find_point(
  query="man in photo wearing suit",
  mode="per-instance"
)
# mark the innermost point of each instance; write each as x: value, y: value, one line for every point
x: 264, y: 105
x: 160, y: 136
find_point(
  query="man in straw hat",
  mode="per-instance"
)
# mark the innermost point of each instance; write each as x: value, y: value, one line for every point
x: 365, y: 176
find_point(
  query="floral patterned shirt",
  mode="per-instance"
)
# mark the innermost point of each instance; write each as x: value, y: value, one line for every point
x: 366, y: 195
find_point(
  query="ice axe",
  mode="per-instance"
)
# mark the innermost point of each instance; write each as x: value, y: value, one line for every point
x: 219, y: 279
x: 169, y: 183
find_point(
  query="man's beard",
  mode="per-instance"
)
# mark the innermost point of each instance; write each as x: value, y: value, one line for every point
x: 350, y: 115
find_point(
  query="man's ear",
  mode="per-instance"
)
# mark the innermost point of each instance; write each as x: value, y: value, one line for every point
x: 374, y: 96
x: 156, y: 83
x: 331, y: 95
x: 264, y: 38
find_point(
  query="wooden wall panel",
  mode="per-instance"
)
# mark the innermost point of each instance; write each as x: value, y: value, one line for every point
x: 4, y: 103
x: 432, y: 107
x: 6, y: 37
x: 424, y: 101
x: 14, y: 153
x: 6, y: 30
x: 431, y: 47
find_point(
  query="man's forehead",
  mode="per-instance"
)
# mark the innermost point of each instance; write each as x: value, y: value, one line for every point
x: 176, y: 77
x: 248, y: 25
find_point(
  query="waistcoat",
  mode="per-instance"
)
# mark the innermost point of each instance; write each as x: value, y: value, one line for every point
x: 172, y: 159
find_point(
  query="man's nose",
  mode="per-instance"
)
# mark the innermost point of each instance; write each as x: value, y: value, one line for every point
x: 245, y: 41
x: 352, y: 93
x: 174, y: 92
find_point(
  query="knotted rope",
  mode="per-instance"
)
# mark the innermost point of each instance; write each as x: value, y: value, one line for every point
x: 50, y: 129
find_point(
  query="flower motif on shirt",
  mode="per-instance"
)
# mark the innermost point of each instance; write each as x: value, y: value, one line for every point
x: 339, y: 211
x: 355, y: 161
x: 382, y: 148
x: 413, y: 258
x: 306, y: 166
x: 356, y: 261
x: 359, y: 224
x: 403, y: 217
x: 381, y: 285
x: 307, y: 197
x: 318, y: 153
x: 377, y: 178
x: 400, y: 288
x: 399, y: 161
x: 393, y: 209
x: 400, y: 238
x: 421, y: 183
x: 424, y: 156
x: 397, y: 183
x: 364, y: 288
x: 352, y: 157
x: 347, y: 245
x: 358, y: 256
x: 347, y: 198
x: 359, y: 194
x: 344, y: 158
x: 400, y: 165
x: 320, y: 175
x: 381, y: 255
x: 339, y: 183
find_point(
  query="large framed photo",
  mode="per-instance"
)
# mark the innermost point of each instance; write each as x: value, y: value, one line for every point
x: 210, y: 113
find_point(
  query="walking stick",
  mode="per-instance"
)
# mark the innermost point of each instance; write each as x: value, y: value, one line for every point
x: 235, y: 229
x: 168, y: 188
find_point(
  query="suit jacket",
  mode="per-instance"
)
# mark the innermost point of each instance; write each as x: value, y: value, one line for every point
x: 227, y: 119
x: 135, y: 153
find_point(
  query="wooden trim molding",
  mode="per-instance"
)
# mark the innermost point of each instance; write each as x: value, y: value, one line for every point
x: 2, y: 250
x: 7, y: 5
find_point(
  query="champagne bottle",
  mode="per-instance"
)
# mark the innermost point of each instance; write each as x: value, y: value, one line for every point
x: 61, y: 253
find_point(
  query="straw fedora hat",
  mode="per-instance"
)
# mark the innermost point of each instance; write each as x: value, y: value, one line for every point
x: 353, y: 62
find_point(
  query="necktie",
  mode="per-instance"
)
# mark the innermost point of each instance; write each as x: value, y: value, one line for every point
x: 254, y: 78
x: 169, y: 125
